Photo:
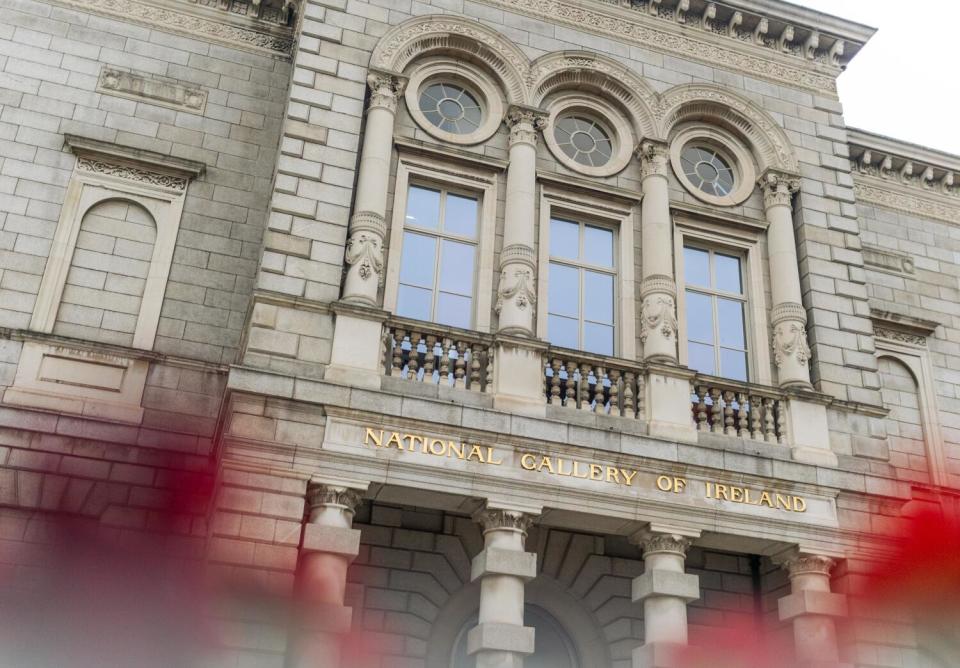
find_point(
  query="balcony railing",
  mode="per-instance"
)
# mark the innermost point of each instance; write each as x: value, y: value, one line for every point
x: 601, y: 385
x: 747, y: 411
x: 437, y: 355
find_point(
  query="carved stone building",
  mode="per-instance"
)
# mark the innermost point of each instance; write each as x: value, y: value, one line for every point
x: 549, y: 332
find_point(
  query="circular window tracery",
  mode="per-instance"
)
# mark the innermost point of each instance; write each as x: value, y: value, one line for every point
x: 451, y: 108
x: 583, y: 140
x: 713, y: 164
x: 707, y: 170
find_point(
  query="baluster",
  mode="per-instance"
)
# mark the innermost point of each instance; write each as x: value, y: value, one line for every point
x: 728, y: 423
x: 781, y: 423
x: 488, y: 371
x: 756, y: 423
x: 429, y: 359
x: 571, y: 401
x: 585, y: 370
x: 628, y: 394
x: 445, y: 362
x: 413, y: 357
x: 396, y: 362
x: 614, y: 392
x: 599, y: 388
x: 474, y: 370
x: 769, y: 427
x: 743, y: 425
x: 459, y: 366
x: 641, y: 396
x: 702, y: 423
x: 716, y: 412
x: 554, y: 393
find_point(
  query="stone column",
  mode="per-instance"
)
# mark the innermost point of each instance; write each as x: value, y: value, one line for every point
x: 519, y: 367
x: 788, y: 318
x: 368, y: 227
x: 658, y: 287
x: 812, y: 608
x: 500, y: 640
x: 665, y: 589
x: 329, y: 546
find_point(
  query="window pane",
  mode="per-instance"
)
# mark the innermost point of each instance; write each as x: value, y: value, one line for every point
x: 730, y: 314
x: 423, y: 207
x: 700, y: 358
x: 563, y: 331
x: 598, y: 246
x: 564, y: 239
x: 418, y: 260
x: 414, y: 302
x: 598, y: 339
x: 598, y: 297
x: 728, y: 273
x: 456, y: 268
x: 696, y: 267
x: 454, y: 310
x: 460, y: 216
x: 699, y: 317
x: 733, y: 364
x: 564, y: 292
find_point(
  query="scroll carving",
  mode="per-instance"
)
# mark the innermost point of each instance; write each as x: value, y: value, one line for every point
x: 132, y: 173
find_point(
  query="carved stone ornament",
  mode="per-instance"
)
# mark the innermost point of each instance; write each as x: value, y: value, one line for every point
x: 163, y: 93
x: 665, y: 543
x: 654, y: 158
x: 365, y: 249
x: 132, y: 173
x: 658, y: 314
x: 524, y: 125
x: 808, y: 564
x: 516, y: 283
x: 385, y: 90
x: 789, y: 340
x: 778, y: 188
x: 329, y: 495
x: 493, y: 519
x: 927, y: 204
x: 899, y: 335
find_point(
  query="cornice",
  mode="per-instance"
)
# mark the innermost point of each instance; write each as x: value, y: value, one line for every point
x: 711, y: 33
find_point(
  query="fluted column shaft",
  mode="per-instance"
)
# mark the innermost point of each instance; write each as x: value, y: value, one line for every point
x: 788, y: 318
x: 364, y: 253
x: 812, y: 608
x: 658, y: 287
x: 329, y: 546
x: 517, y: 296
x: 500, y: 640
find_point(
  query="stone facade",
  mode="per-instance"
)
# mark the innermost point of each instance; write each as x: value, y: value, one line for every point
x: 202, y: 213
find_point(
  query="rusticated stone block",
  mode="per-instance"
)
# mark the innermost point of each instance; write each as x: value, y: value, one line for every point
x: 502, y: 637
x: 666, y: 583
x: 497, y: 561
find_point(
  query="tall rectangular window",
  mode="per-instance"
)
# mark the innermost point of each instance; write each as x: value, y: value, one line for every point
x: 438, y: 261
x: 715, y: 309
x: 582, y: 286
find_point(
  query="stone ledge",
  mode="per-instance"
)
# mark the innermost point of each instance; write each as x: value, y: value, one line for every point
x: 500, y: 637
x: 497, y: 561
x: 332, y: 540
x: 803, y: 603
x: 666, y: 583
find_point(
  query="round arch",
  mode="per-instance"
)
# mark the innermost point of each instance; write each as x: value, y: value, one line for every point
x: 582, y: 70
x: 717, y: 106
x: 459, y: 38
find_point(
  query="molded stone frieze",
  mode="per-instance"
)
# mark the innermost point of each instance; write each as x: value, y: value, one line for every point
x: 491, y: 519
x: 525, y: 124
x: 328, y: 495
x: 385, y: 90
x: 132, y: 173
x: 778, y: 188
x: 126, y: 84
x: 899, y: 335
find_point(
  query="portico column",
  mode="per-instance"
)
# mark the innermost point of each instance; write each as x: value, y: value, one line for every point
x: 500, y: 640
x: 812, y: 608
x: 329, y: 546
x: 665, y: 589
x: 364, y: 253
x: 518, y: 366
x: 788, y: 318
x: 658, y: 288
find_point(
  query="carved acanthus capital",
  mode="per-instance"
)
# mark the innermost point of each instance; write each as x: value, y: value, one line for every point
x: 664, y: 543
x: 654, y: 158
x: 808, y: 564
x: 492, y: 519
x: 385, y: 90
x: 778, y: 188
x: 319, y: 494
x: 524, y: 124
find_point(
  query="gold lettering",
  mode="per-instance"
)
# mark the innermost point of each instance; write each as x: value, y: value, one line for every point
x: 664, y: 484
x: 614, y: 473
x: 395, y: 441
x: 746, y: 497
x: 628, y: 477
x: 679, y: 484
x: 490, y: 459
x: 722, y: 492
x: 709, y: 489
x: 527, y: 462
x: 456, y: 449
x: 476, y: 450
x: 560, y: 471
x: 576, y: 467
x: 372, y: 435
x: 596, y: 472
x: 736, y: 494
x: 546, y: 463
x: 799, y: 505
x: 434, y: 450
x: 765, y: 500
x: 783, y: 502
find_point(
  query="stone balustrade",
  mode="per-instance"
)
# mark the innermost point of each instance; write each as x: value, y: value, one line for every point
x: 602, y: 385
x: 721, y: 406
x: 432, y: 354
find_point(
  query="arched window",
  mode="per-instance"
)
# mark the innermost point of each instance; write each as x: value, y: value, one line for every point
x: 554, y: 648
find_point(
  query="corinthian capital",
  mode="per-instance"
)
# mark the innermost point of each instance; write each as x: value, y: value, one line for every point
x: 808, y: 564
x: 655, y: 543
x: 778, y: 188
x: 654, y: 157
x: 492, y: 519
x: 524, y: 124
x: 385, y: 89
x: 319, y: 494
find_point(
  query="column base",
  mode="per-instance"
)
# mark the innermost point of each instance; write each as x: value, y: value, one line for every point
x: 659, y: 655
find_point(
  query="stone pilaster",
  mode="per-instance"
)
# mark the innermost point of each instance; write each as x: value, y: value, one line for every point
x: 788, y: 318
x: 500, y: 640
x: 329, y: 546
x: 665, y: 589
x: 812, y: 608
